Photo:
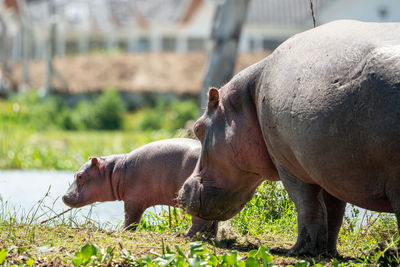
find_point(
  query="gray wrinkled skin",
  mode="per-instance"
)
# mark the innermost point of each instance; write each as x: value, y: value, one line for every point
x: 327, y: 102
x: 150, y: 175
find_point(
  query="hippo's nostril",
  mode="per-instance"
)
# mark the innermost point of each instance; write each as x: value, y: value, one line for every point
x: 189, y: 196
x: 181, y: 198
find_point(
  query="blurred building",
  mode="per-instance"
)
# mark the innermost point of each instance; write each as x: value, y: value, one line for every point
x: 170, y: 25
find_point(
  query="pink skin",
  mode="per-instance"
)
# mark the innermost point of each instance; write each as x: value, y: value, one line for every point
x: 148, y: 176
x: 233, y: 147
x: 323, y: 112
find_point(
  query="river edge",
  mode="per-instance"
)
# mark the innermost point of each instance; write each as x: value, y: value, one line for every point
x: 35, y: 195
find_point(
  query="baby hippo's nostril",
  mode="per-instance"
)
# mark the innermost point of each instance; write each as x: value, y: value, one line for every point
x: 69, y: 200
x: 65, y: 199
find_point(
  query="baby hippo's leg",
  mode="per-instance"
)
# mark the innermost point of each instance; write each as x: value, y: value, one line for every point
x: 133, y: 213
x: 202, y: 226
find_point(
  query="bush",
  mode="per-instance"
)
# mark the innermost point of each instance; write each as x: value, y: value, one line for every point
x: 165, y: 115
x: 182, y: 111
x: 104, y: 113
x: 31, y: 110
x: 109, y: 111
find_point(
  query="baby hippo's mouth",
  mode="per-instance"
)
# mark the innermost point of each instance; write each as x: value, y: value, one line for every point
x: 71, y: 200
x: 72, y: 197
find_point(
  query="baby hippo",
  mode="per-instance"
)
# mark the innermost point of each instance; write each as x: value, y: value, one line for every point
x: 150, y: 175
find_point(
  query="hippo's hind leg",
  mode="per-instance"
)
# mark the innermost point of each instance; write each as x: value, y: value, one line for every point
x: 202, y: 226
x: 133, y: 213
x: 393, y: 194
x: 335, y: 210
x: 312, y: 228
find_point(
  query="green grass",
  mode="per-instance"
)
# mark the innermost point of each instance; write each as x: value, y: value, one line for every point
x: 50, y: 134
x: 161, y: 239
x: 24, y: 148
x: 40, y: 133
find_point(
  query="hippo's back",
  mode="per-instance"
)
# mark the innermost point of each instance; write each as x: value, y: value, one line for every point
x: 170, y: 160
x: 329, y: 109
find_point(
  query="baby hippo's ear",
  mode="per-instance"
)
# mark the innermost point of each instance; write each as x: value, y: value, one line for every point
x: 213, y: 97
x: 94, y: 161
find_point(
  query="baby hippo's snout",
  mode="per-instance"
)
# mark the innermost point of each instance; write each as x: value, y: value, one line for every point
x: 71, y: 198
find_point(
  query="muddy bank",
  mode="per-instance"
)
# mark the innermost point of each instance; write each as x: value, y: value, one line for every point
x: 142, y: 72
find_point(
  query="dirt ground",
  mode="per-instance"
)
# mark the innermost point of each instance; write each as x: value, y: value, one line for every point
x: 142, y: 72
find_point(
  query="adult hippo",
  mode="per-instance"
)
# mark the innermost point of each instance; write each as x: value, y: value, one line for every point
x: 322, y: 113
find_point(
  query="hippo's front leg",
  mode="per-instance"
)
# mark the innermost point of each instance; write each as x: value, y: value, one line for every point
x: 312, y: 225
x: 202, y: 226
x: 133, y: 213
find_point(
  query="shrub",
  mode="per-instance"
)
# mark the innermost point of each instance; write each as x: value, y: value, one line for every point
x: 165, y: 115
x: 31, y: 110
x: 109, y: 110
x: 104, y: 113
x: 182, y: 111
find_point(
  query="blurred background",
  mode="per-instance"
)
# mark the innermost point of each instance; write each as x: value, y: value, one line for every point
x: 146, y: 45
x: 82, y: 78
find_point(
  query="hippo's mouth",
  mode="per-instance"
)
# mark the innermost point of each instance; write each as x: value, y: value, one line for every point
x: 189, y: 196
x: 208, y: 202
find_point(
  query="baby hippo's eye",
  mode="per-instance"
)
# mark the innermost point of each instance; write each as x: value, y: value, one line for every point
x: 80, y: 179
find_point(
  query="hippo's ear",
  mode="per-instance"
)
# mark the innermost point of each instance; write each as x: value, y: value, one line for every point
x: 94, y: 161
x: 213, y: 97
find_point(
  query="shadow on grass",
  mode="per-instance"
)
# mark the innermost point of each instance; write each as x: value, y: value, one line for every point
x: 228, y: 243
x: 381, y: 255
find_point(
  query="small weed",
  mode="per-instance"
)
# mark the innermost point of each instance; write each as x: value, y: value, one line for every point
x: 199, y: 255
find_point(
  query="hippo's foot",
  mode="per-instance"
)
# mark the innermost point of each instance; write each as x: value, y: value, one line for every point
x: 210, y: 228
x: 312, y: 241
x: 131, y: 227
x: 333, y: 253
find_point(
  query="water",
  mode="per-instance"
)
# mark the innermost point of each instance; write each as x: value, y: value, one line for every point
x: 21, y: 192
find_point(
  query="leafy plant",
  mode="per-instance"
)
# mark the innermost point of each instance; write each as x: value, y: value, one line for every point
x: 201, y: 256
x: 4, y: 263
x: 89, y: 255
x: 3, y: 255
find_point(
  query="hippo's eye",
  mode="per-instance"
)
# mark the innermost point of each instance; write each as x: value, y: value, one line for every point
x: 198, y: 130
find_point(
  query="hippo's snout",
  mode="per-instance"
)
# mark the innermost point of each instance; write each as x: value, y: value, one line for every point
x: 189, y: 196
x: 208, y: 202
